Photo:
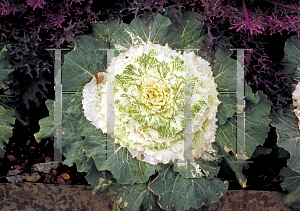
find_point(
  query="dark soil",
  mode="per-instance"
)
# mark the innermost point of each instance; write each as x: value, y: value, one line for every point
x: 22, y: 152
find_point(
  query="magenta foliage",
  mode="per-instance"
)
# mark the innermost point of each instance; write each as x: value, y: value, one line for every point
x: 269, y: 15
x: 31, y: 26
x: 36, y: 3
x: 248, y: 21
x: 51, y: 20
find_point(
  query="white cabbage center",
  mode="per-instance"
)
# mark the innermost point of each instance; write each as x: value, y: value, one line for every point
x: 149, y: 96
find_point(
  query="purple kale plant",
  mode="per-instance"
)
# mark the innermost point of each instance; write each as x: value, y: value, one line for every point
x: 250, y: 23
x: 31, y: 26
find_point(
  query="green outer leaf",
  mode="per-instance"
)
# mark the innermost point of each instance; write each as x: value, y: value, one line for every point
x: 256, y: 126
x: 291, y: 183
x: 46, y: 124
x: 224, y: 71
x: 254, y: 98
x: 138, y: 32
x: 127, y: 170
x: 291, y: 59
x: 126, y: 197
x: 237, y: 168
x: 261, y: 151
x: 173, y: 38
x: 287, y: 127
x: 4, y: 62
x: 150, y: 202
x: 256, y: 130
x: 105, y: 30
x: 131, y: 196
x: 9, y: 100
x: 210, y: 168
x: 296, y: 77
x: 83, y: 163
x: 6, y: 120
x: 227, y: 108
x: 80, y: 64
x: 289, y: 136
x: 256, y: 122
x: 94, y: 176
x: 102, y: 182
x: 94, y: 144
x: 200, y: 167
x: 189, y: 27
x: 177, y: 193
x: 187, y: 170
x: 72, y: 127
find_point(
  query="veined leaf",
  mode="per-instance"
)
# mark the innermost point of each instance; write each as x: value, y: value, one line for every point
x: 287, y: 129
x: 225, y: 71
x: 80, y: 64
x: 4, y: 62
x: 127, y: 170
x: 138, y: 32
x: 291, y: 183
x: 47, y: 128
x: 125, y: 197
x: 289, y: 136
x: 177, y: 193
x: 257, y: 111
x: 6, y: 120
x: 189, y: 27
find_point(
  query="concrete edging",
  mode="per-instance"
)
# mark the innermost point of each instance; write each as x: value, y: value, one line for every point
x: 39, y: 196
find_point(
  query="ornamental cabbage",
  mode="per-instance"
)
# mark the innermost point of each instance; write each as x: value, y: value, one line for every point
x: 155, y: 117
x: 149, y: 102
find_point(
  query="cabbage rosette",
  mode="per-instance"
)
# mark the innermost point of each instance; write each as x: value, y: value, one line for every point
x: 149, y: 96
x: 163, y: 103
